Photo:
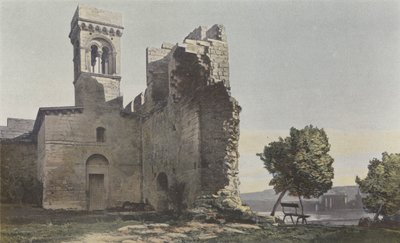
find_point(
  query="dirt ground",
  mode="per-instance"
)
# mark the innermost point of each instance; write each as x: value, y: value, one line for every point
x: 30, y: 224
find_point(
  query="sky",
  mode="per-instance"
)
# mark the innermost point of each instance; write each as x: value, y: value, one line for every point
x: 332, y: 64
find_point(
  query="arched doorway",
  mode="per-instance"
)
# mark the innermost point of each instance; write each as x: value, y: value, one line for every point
x: 162, y: 191
x: 97, y: 181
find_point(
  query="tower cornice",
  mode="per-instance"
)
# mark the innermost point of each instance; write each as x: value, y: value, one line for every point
x: 95, y: 27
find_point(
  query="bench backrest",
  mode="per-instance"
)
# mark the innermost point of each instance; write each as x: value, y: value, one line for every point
x: 290, y: 205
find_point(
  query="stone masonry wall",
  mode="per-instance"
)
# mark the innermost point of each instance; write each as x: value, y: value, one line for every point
x: 218, y: 54
x: 220, y: 134
x: 171, y: 145
x: 41, y: 152
x: 192, y: 135
x: 157, y: 60
x: 15, y: 127
x: 90, y: 91
x: 70, y: 139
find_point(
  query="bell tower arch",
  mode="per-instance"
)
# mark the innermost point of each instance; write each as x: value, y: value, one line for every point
x: 96, y: 36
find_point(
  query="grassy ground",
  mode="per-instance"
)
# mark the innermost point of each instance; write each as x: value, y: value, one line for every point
x: 315, y: 233
x: 56, y: 233
x: 27, y: 224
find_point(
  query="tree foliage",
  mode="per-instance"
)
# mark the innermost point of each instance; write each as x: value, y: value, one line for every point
x: 382, y: 185
x: 16, y: 187
x: 300, y: 163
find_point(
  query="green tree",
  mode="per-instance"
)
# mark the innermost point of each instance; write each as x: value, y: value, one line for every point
x: 382, y: 185
x: 299, y: 164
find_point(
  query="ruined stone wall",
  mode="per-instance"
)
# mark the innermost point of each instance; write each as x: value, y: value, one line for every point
x: 70, y: 139
x: 192, y: 134
x: 157, y: 60
x: 220, y: 136
x: 218, y: 54
x: 204, y: 55
x: 171, y: 145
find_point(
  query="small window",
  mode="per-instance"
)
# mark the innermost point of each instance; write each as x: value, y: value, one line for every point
x: 100, y: 134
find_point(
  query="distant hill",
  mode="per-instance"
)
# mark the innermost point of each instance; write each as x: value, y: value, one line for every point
x: 264, y: 195
x: 269, y: 194
x: 265, y: 200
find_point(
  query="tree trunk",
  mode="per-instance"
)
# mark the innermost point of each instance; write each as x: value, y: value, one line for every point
x: 301, y: 204
x: 376, y: 217
x: 277, y: 202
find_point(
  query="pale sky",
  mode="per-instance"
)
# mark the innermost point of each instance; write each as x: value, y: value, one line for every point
x: 333, y: 64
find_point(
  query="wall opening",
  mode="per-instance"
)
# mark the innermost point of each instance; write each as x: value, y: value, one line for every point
x: 100, y: 134
x: 105, y: 57
x: 102, y: 56
x: 162, y: 182
x: 96, y: 182
x: 94, y: 54
x: 96, y: 192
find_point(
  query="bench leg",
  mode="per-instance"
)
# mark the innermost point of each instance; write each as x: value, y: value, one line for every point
x: 284, y: 218
x: 292, y: 219
x: 297, y: 221
x: 303, y: 220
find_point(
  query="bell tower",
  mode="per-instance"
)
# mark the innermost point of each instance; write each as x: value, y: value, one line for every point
x: 95, y: 36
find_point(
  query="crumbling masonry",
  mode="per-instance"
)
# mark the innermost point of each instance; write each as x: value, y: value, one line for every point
x: 184, y: 129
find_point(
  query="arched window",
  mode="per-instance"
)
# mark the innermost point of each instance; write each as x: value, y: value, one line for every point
x: 94, y: 54
x: 105, y: 56
x: 162, y: 182
x: 101, y: 56
x: 100, y: 134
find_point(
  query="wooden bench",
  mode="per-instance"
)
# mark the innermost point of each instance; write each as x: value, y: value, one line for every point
x: 292, y: 214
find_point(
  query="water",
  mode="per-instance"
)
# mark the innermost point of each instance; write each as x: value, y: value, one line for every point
x: 337, y: 217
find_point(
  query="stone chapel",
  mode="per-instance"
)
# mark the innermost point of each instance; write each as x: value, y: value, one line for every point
x: 98, y: 154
